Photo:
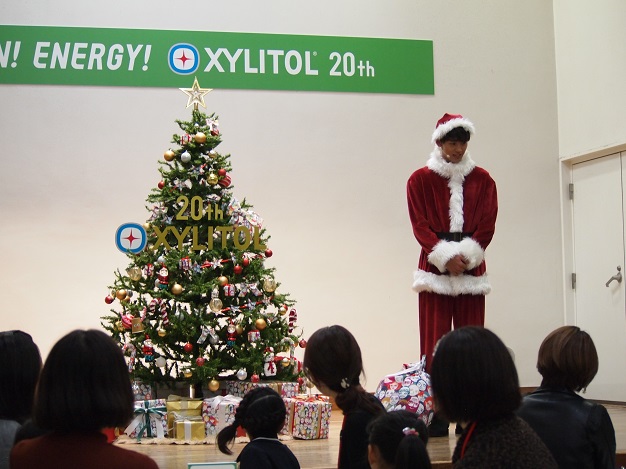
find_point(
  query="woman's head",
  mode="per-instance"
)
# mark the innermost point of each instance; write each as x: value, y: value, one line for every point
x: 473, y: 376
x: 20, y: 365
x: 84, y: 385
x: 567, y: 358
x: 261, y: 413
x: 398, y: 440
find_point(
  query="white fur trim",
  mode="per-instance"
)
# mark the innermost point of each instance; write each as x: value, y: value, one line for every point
x: 451, y: 285
x: 442, y: 252
x: 443, y: 129
x: 447, y: 170
x: 472, y: 252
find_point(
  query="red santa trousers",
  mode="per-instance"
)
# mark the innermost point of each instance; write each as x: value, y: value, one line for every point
x: 438, y: 313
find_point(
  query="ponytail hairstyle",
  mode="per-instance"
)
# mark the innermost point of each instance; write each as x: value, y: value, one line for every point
x: 261, y: 412
x: 333, y: 357
x: 401, y: 438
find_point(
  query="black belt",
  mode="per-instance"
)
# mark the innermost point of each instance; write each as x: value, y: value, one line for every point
x: 454, y: 235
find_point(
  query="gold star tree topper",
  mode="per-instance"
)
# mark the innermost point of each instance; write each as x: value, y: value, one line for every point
x: 196, y: 94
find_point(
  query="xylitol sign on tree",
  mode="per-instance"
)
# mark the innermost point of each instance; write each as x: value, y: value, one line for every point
x: 156, y: 58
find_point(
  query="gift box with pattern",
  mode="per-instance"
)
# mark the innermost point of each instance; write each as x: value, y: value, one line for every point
x: 284, y: 388
x: 142, y: 391
x: 218, y: 412
x: 308, y: 416
x: 179, y: 407
x: 150, y: 420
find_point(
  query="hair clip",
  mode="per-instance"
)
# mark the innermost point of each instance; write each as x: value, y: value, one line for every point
x: 345, y: 384
x: 409, y: 431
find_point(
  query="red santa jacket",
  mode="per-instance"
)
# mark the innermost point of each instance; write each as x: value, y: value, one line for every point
x: 446, y: 197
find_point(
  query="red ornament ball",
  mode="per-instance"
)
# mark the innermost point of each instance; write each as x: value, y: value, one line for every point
x: 200, y: 361
x: 237, y: 269
x: 188, y: 347
x: 255, y: 378
x: 222, y: 172
x: 109, y: 299
x: 300, y: 381
x: 268, y: 253
x: 302, y: 343
x: 246, y: 262
x: 161, y: 184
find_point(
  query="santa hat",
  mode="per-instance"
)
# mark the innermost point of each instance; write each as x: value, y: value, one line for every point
x: 449, y: 122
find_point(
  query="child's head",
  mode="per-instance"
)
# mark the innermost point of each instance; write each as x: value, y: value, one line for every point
x: 332, y: 358
x: 398, y: 440
x: 261, y: 413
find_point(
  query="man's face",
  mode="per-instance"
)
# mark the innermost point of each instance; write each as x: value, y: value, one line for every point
x: 452, y: 150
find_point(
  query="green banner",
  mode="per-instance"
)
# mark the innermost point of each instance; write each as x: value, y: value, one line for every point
x: 44, y: 55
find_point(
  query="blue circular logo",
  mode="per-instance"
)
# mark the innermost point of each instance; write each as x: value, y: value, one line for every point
x: 131, y: 237
x: 183, y: 59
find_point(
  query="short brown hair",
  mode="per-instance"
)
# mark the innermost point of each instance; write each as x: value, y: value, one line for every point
x: 567, y: 358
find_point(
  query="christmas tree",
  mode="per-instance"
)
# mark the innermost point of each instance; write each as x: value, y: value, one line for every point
x: 197, y: 303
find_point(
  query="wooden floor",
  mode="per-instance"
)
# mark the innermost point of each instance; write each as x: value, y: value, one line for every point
x: 322, y: 454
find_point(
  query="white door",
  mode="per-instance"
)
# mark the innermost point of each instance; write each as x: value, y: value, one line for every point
x: 598, y: 212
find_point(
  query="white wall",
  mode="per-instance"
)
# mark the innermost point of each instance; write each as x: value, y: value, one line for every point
x: 590, y: 41
x: 327, y: 171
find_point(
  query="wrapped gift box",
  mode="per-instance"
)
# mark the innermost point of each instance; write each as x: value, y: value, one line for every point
x: 219, y: 412
x: 180, y: 407
x: 189, y: 428
x: 408, y: 389
x: 284, y: 388
x: 142, y: 391
x: 150, y: 420
x: 308, y: 416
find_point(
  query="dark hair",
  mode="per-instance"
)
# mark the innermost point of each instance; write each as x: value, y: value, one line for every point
x: 261, y: 412
x: 567, y: 358
x: 401, y: 438
x: 20, y: 365
x: 84, y: 385
x: 333, y: 357
x: 473, y: 376
x: 458, y: 134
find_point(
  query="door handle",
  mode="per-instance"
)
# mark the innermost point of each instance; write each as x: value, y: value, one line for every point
x: 617, y: 276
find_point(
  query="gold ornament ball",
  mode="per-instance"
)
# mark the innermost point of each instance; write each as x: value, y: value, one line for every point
x: 162, y: 332
x: 239, y: 329
x: 214, y: 385
x: 282, y: 310
x: 147, y: 226
x: 126, y: 299
x: 200, y: 137
x: 222, y: 280
x: 177, y: 289
x: 260, y: 324
x: 187, y: 374
x: 169, y: 155
x: 285, y: 362
x: 119, y: 326
x: 134, y: 273
x: 215, y: 305
x: 269, y: 284
x: 212, y: 179
x: 121, y: 294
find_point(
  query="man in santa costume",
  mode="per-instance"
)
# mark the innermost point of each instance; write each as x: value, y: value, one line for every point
x: 453, y: 207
